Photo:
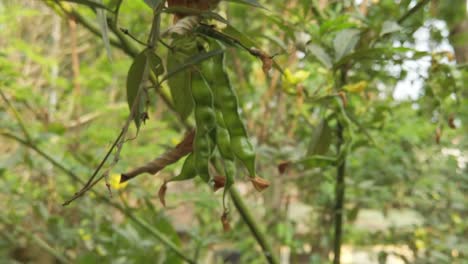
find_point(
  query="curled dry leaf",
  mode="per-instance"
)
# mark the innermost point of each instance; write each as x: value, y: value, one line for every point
x: 451, y: 121
x: 438, y: 133
x: 182, y: 26
x: 169, y: 157
x: 162, y: 193
x: 343, y: 98
x: 225, y: 222
x: 283, y: 166
x: 219, y: 182
x: 259, y: 183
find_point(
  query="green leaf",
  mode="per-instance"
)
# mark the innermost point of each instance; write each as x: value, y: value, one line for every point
x: 389, y: 26
x: 320, y: 54
x: 88, y: 3
x: 242, y: 38
x: 321, y: 139
x: 345, y: 41
x: 155, y: 62
x: 134, y: 80
x: 180, y: 86
x: 315, y: 161
x: 338, y: 23
x: 253, y: 3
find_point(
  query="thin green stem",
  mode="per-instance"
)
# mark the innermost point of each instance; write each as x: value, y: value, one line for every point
x: 17, y: 116
x: 253, y: 226
x: 413, y: 10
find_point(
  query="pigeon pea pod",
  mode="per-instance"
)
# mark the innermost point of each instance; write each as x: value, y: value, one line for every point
x: 205, y: 121
x: 225, y: 99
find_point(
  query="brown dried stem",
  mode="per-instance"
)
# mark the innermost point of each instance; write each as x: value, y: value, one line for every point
x: 169, y: 157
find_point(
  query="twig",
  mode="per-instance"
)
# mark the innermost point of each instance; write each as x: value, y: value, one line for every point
x: 126, y: 32
x: 89, y: 184
x: 75, y: 62
x: 17, y: 116
x: 413, y: 10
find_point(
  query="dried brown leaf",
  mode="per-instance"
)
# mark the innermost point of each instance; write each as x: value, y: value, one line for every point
x: 451, y: 121
x: 219, y: 182
x: 162, y: 194
x: 343, y: 98
x: 283, y: 166
x: 259, y: 183
x: 438, y: 134
x: 225, y: 222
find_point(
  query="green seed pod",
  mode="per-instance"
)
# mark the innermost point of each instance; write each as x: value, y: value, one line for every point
x: 202, y: 150
x: 230, y: 169
x: 201, y: 92
x: 244, y: 151
x: 205, y: 118
x: 225, y: 100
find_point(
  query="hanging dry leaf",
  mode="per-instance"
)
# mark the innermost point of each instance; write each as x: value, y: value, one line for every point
x: 225, y: 222
x: 162, y: 193
x: 451, y: 121
x: 182, y: 26
x: 219, y: 182
x: 438, y: 133
x: 259, y: 183
x: 343, y: 98
x: 283, y: 166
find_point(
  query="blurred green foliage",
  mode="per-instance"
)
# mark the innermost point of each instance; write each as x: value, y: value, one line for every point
x: 57, y: 122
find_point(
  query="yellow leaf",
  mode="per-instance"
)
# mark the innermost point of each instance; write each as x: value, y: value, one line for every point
x: 291, y: 80
x: 419, y: 244
x: 301, y: 75
x: 356, y: 87
x: 114, y: 181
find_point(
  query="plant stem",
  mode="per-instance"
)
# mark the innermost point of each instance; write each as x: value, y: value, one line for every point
x: 339, y: 197
x: 253, y: 226
x: 413, y: 10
